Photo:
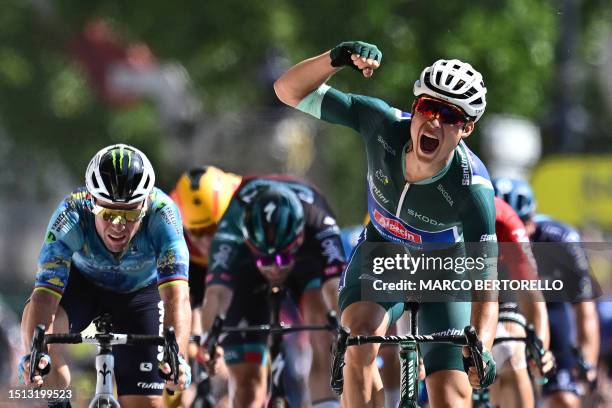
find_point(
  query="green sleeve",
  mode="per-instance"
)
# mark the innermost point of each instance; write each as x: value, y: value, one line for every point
x: 478, y: 213
x: 362, y: 113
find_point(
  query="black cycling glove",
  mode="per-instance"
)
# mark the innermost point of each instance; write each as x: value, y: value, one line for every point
x: 341, y: 53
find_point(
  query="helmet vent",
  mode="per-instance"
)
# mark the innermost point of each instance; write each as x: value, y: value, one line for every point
x: 438, y: 77
x: 195, y: 175
x: 459, y: 85
x: 147, y: 181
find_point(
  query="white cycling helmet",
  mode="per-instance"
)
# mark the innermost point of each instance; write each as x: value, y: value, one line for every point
x: 455, y: 82
x: 120, y: 174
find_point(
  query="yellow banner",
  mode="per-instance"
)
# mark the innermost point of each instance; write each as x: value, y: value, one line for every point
x: 575, y: 189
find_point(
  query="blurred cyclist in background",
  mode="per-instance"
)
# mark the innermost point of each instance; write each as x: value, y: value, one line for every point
x: 562, y: 257
x: 280, y: 231
x: 512, y: 387
x: 202, y: 195
x: 114, y: 247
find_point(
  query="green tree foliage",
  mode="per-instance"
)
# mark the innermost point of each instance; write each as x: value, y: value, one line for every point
x: 47, y: 104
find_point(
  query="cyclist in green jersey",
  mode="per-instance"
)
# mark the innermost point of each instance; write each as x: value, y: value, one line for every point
x: 424, y: 186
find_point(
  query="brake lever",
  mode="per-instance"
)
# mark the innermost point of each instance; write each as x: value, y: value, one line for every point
x: 332, y: 320
x: 339, y: 349
x: 213, y: 337
x: 171, y: 353
x: 38, y: 348
x: 475, y: 346
x: 535, y: 347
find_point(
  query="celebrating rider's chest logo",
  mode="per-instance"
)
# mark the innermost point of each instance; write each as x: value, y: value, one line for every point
x: 423, y: 217
x: 396, y: 228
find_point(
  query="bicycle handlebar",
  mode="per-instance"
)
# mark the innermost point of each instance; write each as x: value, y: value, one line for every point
x: 104, y: 338
x: 218, y: 328
x: 40, y: 340
x: 469, y: 339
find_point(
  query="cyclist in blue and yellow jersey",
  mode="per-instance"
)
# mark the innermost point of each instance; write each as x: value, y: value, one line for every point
x: 559, y: 254
x: 276, y: 230
x: 424, y: 187
x: 113, y: 247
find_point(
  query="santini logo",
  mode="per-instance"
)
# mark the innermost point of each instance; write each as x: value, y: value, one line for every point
x: 151, y: 386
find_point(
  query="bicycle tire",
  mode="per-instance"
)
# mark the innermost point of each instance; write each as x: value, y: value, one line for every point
x: 105, y: 403
x: 278, y: 402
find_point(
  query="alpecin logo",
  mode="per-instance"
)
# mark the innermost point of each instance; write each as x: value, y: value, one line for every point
x: 396, y: 228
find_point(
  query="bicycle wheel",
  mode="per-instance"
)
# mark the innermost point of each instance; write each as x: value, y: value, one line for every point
x: 103, y: 402
x: 278, y: 402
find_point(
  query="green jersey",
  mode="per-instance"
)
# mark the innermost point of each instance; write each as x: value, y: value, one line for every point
x: 454, y: 206
x: 448, y: 210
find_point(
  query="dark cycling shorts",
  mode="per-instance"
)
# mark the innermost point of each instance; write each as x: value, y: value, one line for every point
x: 197, y: 285
x: 139, y: 312
x: 250, y: 307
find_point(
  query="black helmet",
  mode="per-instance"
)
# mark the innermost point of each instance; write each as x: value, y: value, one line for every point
x: 120, y: 174
x: 273, y: 220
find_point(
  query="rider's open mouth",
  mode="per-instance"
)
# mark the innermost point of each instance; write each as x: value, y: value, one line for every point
x: 116, y: 239
x: 428, y: 144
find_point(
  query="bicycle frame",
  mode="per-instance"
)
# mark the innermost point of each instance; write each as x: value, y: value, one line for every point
x: 105, y: 365
x: 277, y: 357
x: 409, y: 361
x: 409, y: 355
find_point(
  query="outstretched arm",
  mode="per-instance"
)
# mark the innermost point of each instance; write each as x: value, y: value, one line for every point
x: 303, y: 78
x: 308, y: 75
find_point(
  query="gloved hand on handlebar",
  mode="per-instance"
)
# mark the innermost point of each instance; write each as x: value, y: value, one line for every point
x: 489, y: 369
x: 23, y: 370
x: 184, y: 375
x: 215, y: 363
x: 545, y: 365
